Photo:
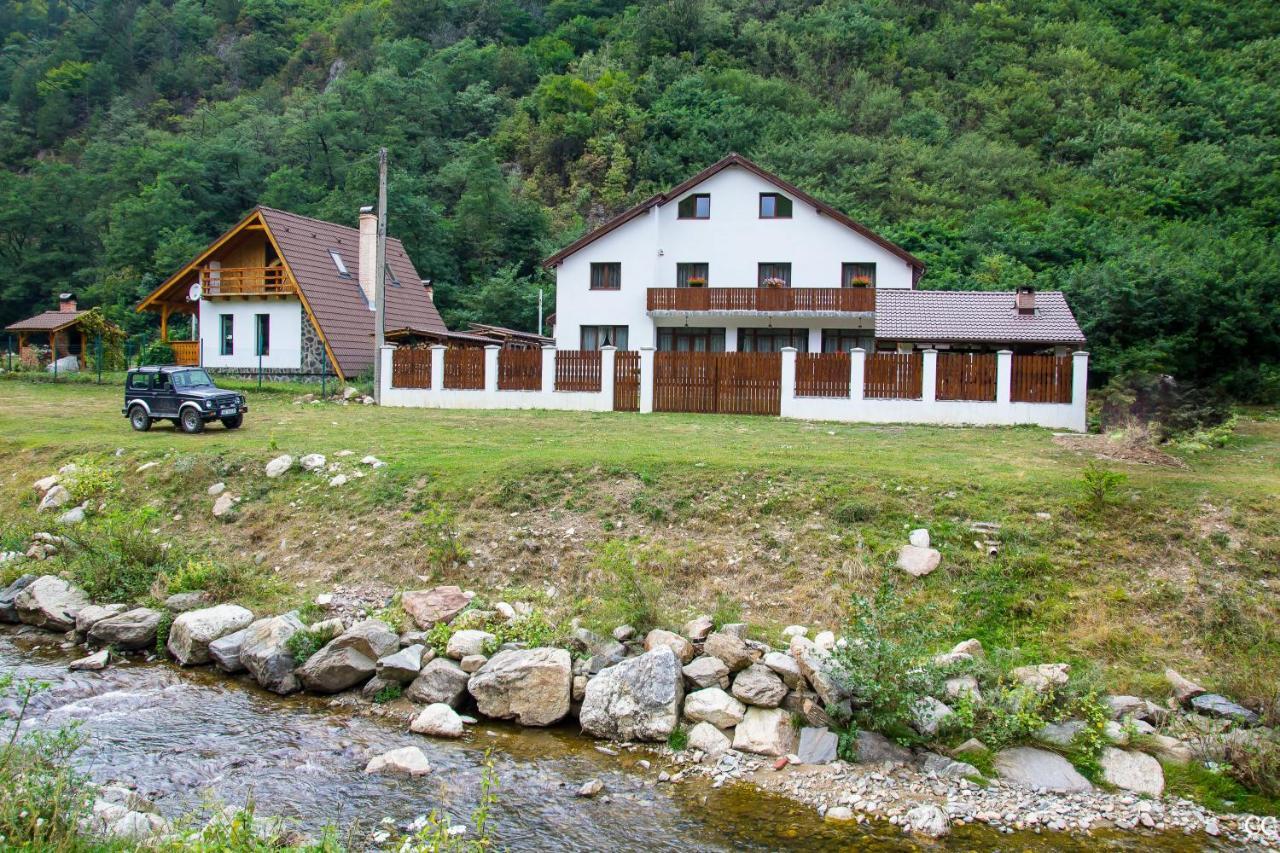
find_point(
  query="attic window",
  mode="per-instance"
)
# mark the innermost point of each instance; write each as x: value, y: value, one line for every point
x: 339, y: 263
x: 391, y: 277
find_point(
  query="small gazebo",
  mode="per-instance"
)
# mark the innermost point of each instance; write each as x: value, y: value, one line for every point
x: 62, y: 329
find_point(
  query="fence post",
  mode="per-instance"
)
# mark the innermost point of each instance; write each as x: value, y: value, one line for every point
x: 387, y: 356
x: 1080, y: 389
x: 324, y: 372
x: 548, y: 368
x: 646, y: 380
x: 1004, y: 378
x: 491, y: 367
x: 929, y: 376
x: 788, y: 381
x: 437, y: 366
x: 608, y: 357
x: 857, y: 374
x: 98, y: 357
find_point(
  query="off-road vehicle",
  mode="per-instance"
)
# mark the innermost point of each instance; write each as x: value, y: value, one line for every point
x: 184, y: 395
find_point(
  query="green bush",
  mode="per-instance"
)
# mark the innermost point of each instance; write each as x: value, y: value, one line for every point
x: 1099, y: 486
x: 119, y: 559
x: 678, y: 740
x: 388, y: 693
x: 631, y: 597
x: 305, y: 643
x: 223, y: 581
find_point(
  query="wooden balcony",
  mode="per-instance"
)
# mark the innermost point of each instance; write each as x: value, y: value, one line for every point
x: 782, y: 299
x: 247, y: 283
x: 185, y: 353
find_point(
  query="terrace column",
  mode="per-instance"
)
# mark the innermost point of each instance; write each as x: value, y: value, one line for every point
x: 437, y: 366
x: 646, y: 380
x: 857, y: 373
x: 491, y: 367
x: 548, y: 368
x: 608, y: 357
x: 788, y: 381
x: 1079, y: 390
x: 1004, y: 377
x: 929, y: 376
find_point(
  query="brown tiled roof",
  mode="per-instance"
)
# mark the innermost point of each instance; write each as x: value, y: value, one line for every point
x: 338, y: 303
x: 49, y: 321
x: 735, y: 160
x: 973, y: 317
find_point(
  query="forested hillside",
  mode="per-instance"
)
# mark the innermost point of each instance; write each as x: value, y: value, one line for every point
x: 1124, y: 151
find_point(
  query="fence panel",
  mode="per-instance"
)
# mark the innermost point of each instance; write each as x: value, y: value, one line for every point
x: 464, y: 369
x: 741, y: 383
x: 966, y: 376
x: 578, y: 370
x: 822, y: 374
x: 626, y: 381
x: 894, y: 376
x: 1041, y: 379
x: 411, y: 367
x: 520, y: 370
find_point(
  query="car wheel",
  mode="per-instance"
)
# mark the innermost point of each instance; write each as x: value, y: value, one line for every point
x: 190, y: 420
x: 233, y: 422
x: 139, y: 419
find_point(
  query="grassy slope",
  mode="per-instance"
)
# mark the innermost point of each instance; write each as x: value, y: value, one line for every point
x: 784, y: 519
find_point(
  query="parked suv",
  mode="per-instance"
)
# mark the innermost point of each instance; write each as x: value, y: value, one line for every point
x: 184, y: 395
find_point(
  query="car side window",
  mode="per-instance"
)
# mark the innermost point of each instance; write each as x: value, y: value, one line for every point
x: 162, y: 383
x: 139, y: 382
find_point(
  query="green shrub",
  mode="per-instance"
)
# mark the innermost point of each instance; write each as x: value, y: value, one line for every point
x: 1255, y: 764
x: 157, y: 352
x: 388, y: 693
x: 1099, y: 486
x: 305, y: 643
x: 728, y: 611
x: 678, y: 740
x: 438, y: 536
x: 90, y: 482
x: 119, y: 559
x: 223, y: 581
x: 162, y: 632
x: 631, y: 597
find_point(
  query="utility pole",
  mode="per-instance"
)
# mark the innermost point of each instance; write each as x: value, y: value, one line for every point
x: 380, y: 278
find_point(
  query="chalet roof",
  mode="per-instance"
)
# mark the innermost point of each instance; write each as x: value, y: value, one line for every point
x: 512, y: 334
x: 733, y: 160
x: 47, y: 321
x: 973, y: 317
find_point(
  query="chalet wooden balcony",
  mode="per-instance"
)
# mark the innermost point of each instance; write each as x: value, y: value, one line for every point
x: 246, y: 283
x: 771, y: 299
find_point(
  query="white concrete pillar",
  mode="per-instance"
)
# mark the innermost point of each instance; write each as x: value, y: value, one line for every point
x: 1079, y: 390
x: 548, y: 368
x: 1004, y: 377
x: 386, y: 356
x: 437, y: 366
x: 608, y: 357
x: 646, y: 380
x: 491, y: 367
x: 730, y: 338
x: 788, y: 381
x: 815, y: 340
x: 857, y: 373
x: 929, y: 377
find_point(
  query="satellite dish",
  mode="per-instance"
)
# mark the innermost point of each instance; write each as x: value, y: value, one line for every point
x: 193, y: 293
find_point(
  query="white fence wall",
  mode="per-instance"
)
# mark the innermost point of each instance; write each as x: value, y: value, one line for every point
x: 851, y: 407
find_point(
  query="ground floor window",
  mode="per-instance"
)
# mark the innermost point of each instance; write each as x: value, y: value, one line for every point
x: 226, y: 334
x: 595, y: 337
x: 262, y: 323
x: 772, y: 340
x: 845, y: 340
x: 690, y: 339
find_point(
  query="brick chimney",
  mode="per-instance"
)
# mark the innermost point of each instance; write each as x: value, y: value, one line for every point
x: 431, y: 290
x: 67, y: 303
x: 368, y: 251
x: 1026, y: 300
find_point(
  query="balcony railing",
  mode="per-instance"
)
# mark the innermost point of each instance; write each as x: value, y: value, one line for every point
x: 185, y: 353
x: 230, y: 282
x: 854, y: 299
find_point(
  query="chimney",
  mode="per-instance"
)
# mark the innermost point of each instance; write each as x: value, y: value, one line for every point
x: 1026, y: 300
x: 67, y: 303
x: 368, y: 251
x: 431, y: 290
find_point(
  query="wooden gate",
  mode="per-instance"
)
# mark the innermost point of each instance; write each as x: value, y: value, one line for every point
x: 966, y: 376
x: 626, y: 381
x: 731, y: 383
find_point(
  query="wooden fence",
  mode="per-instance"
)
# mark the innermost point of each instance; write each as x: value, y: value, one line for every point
x: 966, y: 376
x: 578, y: 370
x: 464, y: 369
x: 626, y: 381
x: 739, y: 383
x: 1041, y: 379
x: 823, y: 374
x: 894, y: 376
x: 411, y: 367
x: 520, y: 370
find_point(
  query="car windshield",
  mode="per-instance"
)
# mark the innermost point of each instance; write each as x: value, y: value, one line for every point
x: 191, y: 379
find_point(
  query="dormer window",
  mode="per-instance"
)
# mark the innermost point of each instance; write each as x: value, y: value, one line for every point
x: 774, y: 206
x: 339, y: 264
x: 695, y: 207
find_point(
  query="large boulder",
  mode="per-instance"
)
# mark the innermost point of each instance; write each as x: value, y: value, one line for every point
x: 1039, y: 768
x: 51, y: 603
x: 225, y: 651
x: 712, y: 705
x: 698, y: 628
x: 95, y: 613
x: 874, y: 748
x: 1042, y: 677
x: 928, y: 819
x: 407, y: 760
x: 442, y: 681
x: 765, y: 731
x: 678, y: 644
x: 731, y: 649
x: 429, y: 606
x: 787, y: 668
x: 637, y: 699
x: 8, y: 607
x: 708, y: 739
x: 402, y: 666
x: 336, y: 668
x: 530, y: 686
x: 760, y: 686
x: 817, y: 667
x: 372, y: 638
x: 265, y: 653
x: 818, y: 745
x: 706, y: 671
x: 1132, y: 771
x: 132, y: 630
x: 927, y: 714
x: 469, y: 642
x: 437, y: 720
x: 1214, y: 705
x: 193, y: 631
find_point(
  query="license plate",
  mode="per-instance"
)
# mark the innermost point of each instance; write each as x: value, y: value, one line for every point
x: 231, y: 411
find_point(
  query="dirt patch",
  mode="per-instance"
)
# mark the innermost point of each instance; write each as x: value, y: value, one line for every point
x: 1119, y: 447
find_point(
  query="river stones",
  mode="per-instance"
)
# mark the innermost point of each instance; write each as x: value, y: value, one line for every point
x: 95, y: 613
x: 786, y: 668
x: 1038, y: 768
x: 468, y: 642
x: 706, y: 671
x: 600, y: 652
x: 729, y: 648
x: 92, y: 663
x: 402, y: 666
x: 818, y: 745
x: 192, y: 632
x: 637, y: 699
x: 927, y: 714
x: 918, y: 562
x: 1214, y: 705
x: 760, y: 686
x: 709, y: 739
x: 408, y: 761
x: 765, y: 731
x: 698, y: 628
x: 715, y: 706
x: 181, y: 602
x: 928, y: 819
x: 428, y: 606
x: 225, y: 651
x: 265, y: 653
x: 441, y: 680
x: 437, y: 720
x: 131, y: 631
x: 1132, y: 771
x: 1042, y: 677
x: 372, y: 638
x: 530, y: 686
x: 657, y: 637
x: 51, y: 603
x: 8, y: 610
x: 875, y: 748
x: 336, y: 668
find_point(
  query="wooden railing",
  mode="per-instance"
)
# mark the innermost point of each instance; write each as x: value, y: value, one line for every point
x: 966, y: 376
x: 520, y: 370
x: 1041, y: 379
x: 822, y: 374
x: 464, y: 369
x: 411, y: 367
x: 185, y: 353
x: 762, y: 299
x: 246, y: 281
x: 578, y: 370
x: 894, y: 376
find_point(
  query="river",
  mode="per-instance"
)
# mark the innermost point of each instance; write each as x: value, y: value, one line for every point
x: 188, y: 738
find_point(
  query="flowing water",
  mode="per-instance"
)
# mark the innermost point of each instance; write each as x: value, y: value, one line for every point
x: 186, y: 738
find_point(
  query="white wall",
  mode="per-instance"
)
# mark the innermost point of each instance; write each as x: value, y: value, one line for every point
x: 285, y: 345
x: 732, y: 243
